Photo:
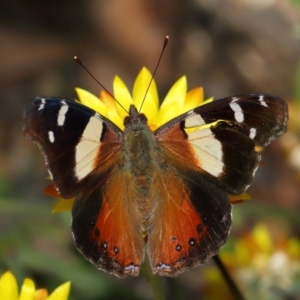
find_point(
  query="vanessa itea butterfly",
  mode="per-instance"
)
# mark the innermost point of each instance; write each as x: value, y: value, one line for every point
x: 164, y: 193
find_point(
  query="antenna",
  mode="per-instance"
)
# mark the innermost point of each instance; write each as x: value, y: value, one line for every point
x: 166, y: 40
x: 78, y: 60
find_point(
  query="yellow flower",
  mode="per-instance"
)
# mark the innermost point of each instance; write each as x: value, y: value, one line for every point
x: 260, y: 260
x: 9, y: 290
x: 259, y: 246
x: 176, y: 102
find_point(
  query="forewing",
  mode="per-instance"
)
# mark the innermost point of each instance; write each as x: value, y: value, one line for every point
x: 75, y: 140
x: 218, y: 139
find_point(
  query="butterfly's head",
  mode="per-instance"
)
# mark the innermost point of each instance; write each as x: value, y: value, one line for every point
x: 134, y: 117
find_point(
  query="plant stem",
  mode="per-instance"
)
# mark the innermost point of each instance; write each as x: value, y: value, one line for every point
x: 237, y: 295
x: 154, y: 280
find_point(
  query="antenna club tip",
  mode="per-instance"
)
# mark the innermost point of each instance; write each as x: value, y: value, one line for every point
x: 77, y: 59
x: 166, y: 40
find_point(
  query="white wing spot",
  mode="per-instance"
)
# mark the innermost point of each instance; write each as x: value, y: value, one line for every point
x: 194, y: 121
x: 43, y: 101
x: 252, y: 133
x: 208, y: 151
x: 51, y: 136
x: 262, y: 101
x: 238, y: 112
x: 87, y: 149
x: 62, y: 114
x: 234, y: 99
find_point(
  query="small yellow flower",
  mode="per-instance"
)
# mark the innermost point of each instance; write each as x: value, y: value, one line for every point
x: 9, y: 290
x: 262, y: 260
x: 176, y: 102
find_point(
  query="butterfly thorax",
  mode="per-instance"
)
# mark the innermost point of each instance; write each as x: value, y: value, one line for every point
x: 139, y: 149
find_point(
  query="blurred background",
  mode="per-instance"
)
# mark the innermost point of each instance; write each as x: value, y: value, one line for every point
x: 228, y: 47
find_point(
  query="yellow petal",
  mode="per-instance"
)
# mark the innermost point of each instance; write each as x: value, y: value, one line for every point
x: 242, y: 253
x: 239, y: 198
x: 107, y: 99
x: 27, y: 290
x: 150, y: 105
x: 174, y: 100
x: 123, y: 96
x: 63, y: 205
x: 293, y: 250
x: 8, y: 287
x: 112, y: 113
x: 90, y: 100
x: 169, y: 113
x: 61, y: 293
x: 115, y: 118
x: 177, y: 93
x: 208, y: 100
x: 261, y: 237
x: 41, y: 294
x: 193, y: 99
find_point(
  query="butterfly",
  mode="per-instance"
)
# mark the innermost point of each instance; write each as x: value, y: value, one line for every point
x: 163, y: 193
